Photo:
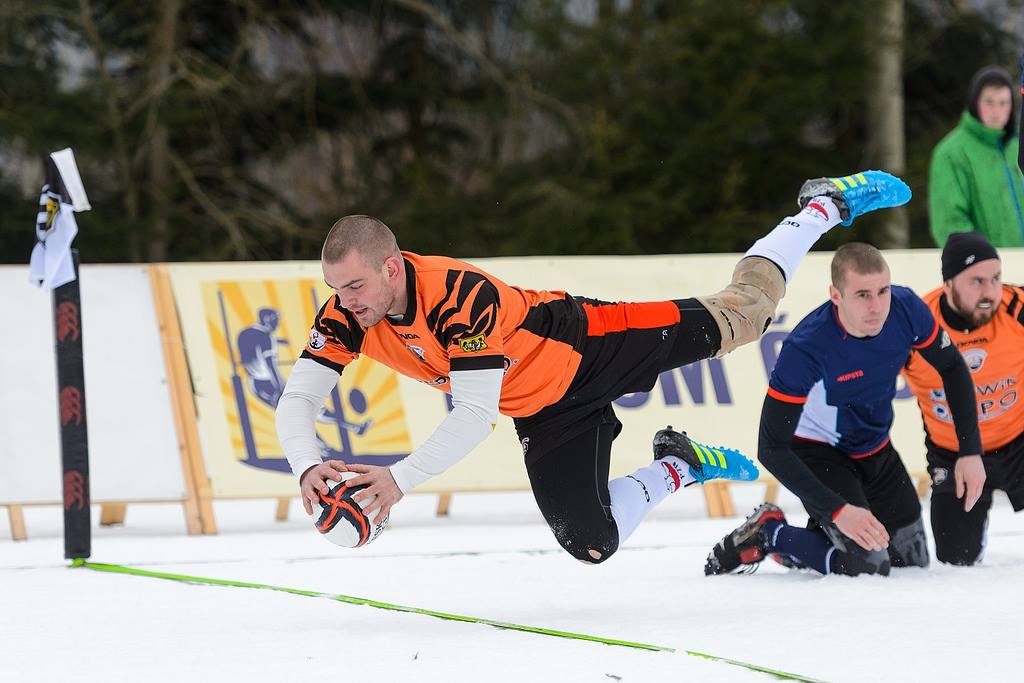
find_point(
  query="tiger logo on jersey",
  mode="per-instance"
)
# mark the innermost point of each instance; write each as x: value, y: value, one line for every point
x: 473, y: 344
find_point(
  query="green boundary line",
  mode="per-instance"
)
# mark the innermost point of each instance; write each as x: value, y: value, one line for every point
x: 781, y: 675
x: 119, y: 569
x: 199, y: 580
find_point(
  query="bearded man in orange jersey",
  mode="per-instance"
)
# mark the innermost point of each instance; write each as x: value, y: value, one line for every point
x: 985, y: 319
x: 552, y: 361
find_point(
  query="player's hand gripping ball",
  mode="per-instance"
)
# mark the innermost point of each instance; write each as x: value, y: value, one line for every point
x: 342, y: 521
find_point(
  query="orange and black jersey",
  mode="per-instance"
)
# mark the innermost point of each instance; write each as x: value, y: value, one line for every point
x: 461, y: 318
x: 994, y: 354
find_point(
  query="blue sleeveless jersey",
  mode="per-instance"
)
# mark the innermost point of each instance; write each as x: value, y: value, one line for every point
x: 847, y: 383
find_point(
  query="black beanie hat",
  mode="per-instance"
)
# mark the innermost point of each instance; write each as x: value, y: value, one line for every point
x: 963, y: 250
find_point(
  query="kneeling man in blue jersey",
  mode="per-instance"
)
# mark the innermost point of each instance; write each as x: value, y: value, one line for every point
x: 825, y: 423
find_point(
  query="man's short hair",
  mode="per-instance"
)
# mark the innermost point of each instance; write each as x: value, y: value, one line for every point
x: 363, y: 234
x: 858, y: 257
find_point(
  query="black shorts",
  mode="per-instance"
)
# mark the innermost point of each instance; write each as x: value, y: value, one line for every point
x: 568, y: 445
x: 615, y: 364
x: 879, y: 482
x: 960, y: 536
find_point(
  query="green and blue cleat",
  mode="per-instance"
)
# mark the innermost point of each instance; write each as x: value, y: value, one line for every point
x: 857, y: 194
x: 705, y: 462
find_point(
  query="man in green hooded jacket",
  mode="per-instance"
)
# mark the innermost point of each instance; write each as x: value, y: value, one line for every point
x: 974, y: 181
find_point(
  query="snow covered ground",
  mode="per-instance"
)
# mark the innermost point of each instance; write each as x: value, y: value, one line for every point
x: 493, y: 558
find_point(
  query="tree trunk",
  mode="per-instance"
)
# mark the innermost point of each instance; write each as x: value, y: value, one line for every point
x: 637, y: 22
x: 485, y: 12
x: 162, y: 46
x: 115, y: 118
x: 886, y: 144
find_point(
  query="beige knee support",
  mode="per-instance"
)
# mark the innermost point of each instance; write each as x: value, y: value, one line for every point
x: 745, y: 308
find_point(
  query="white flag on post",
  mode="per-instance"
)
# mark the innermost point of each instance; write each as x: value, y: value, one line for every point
x: 63, y: 194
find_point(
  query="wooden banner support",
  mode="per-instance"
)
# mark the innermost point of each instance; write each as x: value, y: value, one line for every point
x: 199, y: 516
x: 112, y: 513
x: 17, y: 519
x: 718, y: 495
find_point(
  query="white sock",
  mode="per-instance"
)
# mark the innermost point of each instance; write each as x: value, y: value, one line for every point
x: 634, y: 495
x: 794, y: 236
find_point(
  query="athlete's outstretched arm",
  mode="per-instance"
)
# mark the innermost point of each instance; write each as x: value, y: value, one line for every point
x: 778, y: 425
x: 308, y: 386
x: 943, y: 355
x: 475, y: 396
x: 969, y: 472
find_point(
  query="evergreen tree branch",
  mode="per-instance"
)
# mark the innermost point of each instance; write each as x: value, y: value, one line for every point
x: 234, y: 230
x: 512, y: 87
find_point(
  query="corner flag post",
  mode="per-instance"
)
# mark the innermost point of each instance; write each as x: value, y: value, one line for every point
x: 54, y: 265
x: 74, y: 436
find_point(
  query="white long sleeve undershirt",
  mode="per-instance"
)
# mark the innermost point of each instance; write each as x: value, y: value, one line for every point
x: 308, y: 386
x: 475, y: 396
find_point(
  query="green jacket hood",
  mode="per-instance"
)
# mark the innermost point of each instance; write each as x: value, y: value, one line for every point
x: 989, y: 136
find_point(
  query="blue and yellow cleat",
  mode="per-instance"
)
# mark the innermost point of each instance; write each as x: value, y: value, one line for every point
x: 857, y: 194
x: 705, y: 462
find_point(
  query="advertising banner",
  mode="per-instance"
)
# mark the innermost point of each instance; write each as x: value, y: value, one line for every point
x: 133, y: 448
x: 245, y: 324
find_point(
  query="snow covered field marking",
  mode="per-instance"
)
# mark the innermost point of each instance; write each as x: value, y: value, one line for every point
x: 119, y: 569
x: 183, y: 578
x: 782, y: 675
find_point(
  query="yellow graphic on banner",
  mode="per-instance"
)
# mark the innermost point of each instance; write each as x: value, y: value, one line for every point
x: 257, y: 330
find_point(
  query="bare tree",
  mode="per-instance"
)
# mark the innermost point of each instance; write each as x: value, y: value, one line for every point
x: 162, y: 53
x: 886, y: 142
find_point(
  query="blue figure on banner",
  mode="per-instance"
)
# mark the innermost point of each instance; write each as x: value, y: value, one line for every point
x: 257, y: 349
x: 258, y: 359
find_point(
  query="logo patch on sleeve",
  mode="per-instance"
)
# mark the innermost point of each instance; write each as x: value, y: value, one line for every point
x: 473, y: 344
x: 316, y: 340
